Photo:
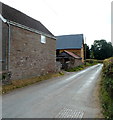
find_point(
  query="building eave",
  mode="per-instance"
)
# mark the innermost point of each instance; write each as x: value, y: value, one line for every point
x: 25, y: 27
x: 3, y: 19
x: 68, y: 48
x: 30, y: 29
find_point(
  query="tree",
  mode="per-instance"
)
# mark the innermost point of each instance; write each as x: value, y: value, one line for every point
x: 92, y: 52
x: 86, y: 52
x: 101, y: 50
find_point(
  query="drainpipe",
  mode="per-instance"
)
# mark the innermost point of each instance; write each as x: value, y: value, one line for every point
x: 5, y: 21
x: 9, y: 41
x: 8, y: 57
x: 9, y: 37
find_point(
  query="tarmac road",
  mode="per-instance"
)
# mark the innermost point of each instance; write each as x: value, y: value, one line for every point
x: 68, y: 96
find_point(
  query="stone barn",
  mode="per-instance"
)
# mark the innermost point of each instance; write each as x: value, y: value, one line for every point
x: 28, y: 47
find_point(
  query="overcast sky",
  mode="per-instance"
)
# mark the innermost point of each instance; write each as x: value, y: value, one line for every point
x: 89, y: 17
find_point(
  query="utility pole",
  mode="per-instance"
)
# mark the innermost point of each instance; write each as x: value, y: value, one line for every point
x: 85, y: 50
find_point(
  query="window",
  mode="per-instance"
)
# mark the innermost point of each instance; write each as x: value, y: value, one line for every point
x: 43, y: 39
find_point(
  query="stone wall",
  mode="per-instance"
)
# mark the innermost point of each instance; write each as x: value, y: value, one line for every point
x: 77, y: 62
x: 73, y: 63
x: 0, y: 38
x: 28, y: 56
x: 0, y: 45
x: 58, y: 66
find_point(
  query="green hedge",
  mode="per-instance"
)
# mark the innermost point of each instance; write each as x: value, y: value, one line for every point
x: 107, y: 88
x: 92, y: 61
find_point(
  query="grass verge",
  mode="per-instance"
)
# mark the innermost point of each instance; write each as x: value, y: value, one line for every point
x: 25, y: 82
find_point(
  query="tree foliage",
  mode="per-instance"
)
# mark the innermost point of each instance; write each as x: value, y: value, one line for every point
x: 101, y: 50
x: 86, y: 52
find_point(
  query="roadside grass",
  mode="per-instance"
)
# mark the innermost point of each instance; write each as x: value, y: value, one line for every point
x: 106, y: 91
x: 25, y: 82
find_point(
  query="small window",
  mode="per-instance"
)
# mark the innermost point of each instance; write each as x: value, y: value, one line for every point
x: 43, y: 39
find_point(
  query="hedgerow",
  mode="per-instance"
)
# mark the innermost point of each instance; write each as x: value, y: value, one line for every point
x: 107, y: 88
x: 92, y: 61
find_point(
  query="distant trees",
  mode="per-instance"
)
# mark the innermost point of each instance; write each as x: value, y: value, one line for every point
x: 100, y: 50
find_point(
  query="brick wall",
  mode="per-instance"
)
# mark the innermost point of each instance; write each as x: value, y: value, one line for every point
x: 28, y: 56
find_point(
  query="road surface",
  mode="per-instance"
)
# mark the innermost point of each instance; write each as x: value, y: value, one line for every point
x: 68, y: 96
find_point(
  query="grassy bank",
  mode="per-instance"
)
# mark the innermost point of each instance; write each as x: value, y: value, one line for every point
x: 25, y: 82
x: 106, y: 92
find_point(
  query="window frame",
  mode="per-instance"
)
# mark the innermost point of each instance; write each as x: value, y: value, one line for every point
x: 43, y: 39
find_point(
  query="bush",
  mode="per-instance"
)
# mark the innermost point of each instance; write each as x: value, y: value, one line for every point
x: 107, y: 88
x: 91, y: 61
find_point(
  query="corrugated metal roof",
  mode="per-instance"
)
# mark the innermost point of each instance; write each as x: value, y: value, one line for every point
x: 70, y: 41
x: 72, y: 54
x: 14, y: 15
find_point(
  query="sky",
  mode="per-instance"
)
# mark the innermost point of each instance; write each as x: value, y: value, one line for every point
x: 63, y: 17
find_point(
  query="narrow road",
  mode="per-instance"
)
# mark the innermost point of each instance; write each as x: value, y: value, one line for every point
x: 68, y: 96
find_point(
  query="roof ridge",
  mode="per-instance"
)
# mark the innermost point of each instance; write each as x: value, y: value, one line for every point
x: 20, y: 12
x: 69, y: 35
